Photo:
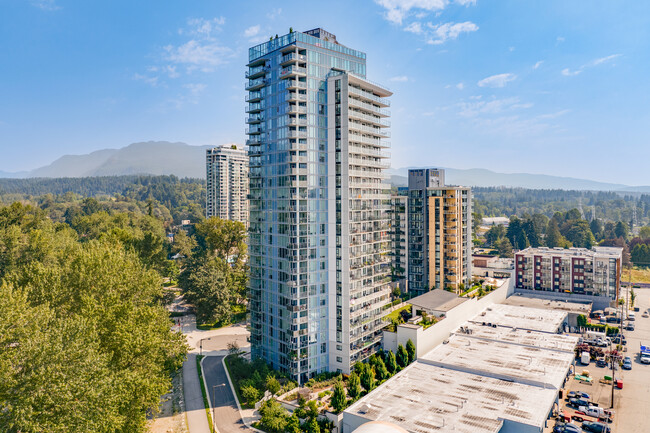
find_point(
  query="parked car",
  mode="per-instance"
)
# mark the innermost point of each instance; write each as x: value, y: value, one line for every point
x: 578, y: 394
x: 645, y: 359
x: 577, y: 402
x: 619, y: 340
x: 600, y: 362
x: 567, y: 428
x: 627, y: 365
x: 595, y: 427
x: 630, y: 326
x: 631, y: 317
x: 645, y: 314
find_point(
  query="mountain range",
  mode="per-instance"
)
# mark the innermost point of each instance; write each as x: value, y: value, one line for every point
x: 183, y: 160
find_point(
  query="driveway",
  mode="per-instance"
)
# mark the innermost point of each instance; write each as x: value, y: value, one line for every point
x: 224, y: 407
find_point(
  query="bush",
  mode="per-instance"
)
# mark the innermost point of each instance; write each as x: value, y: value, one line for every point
x: 402, y: 356
x: 410, y: 351
x: 338, y: 398
x: 354, y: 386
x: 250, y: 393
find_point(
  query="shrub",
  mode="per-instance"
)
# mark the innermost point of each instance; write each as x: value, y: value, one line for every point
x: 250, y: 393
x: 391, y: 363
x: 367, y: 378
x: 272, y: 385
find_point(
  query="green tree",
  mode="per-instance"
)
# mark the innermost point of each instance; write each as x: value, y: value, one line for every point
x: 596, y: 227
x: 380, y: 370
x: 411, y: 351
x: 644, y: 232
x: 293, y: 424
x: 553, y: 236
x: 312, y: 426
x: 632, y: 298
x: 354, y: 386
x: 338, y: 397
x: 250, y: 394
x: 209, y: 283
x: 402, y: 356
x: 183, y: 244
x: 579, y: 234
x: 391, y: 363
x: 494, y: 234
x: 622, y: 230
x: 275, y: 418
x: 272, y: 385
x: 504, y: 247
x: 367, y: 378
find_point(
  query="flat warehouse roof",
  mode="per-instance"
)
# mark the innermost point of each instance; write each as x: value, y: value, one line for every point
x: 507, y: 361
x: 542, y: 340
x: 425, y: 398
x: 529, y: 300
x: 534, y: 319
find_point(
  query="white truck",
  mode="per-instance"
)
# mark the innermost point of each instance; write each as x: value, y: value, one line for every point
x: 585, y: 357
x: 644, y: 354
x: 596, y: 412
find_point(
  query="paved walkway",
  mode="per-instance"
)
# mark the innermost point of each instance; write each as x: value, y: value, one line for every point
x: 197, y: 420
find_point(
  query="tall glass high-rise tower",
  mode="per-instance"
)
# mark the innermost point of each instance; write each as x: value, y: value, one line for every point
x: 319, y: 242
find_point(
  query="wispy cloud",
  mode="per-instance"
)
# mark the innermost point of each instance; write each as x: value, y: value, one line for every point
x: 460, y: 86
x: 195, y: 54
x: 150, y: 80
x: 436, y: 34
x: 493, y: 106
x: 252, y: 31
x: 599, y: 61
x: 397, y: 10
x: 46, y: 5
x: 499, y: 80
x: 202, y: 27
x: 538, y: 64
x: 569, y: 73
x: 400, y: 79
x: 274, y: 13
x: 466, y: 2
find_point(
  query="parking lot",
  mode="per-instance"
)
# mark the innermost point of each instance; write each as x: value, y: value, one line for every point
x: 631, y: 402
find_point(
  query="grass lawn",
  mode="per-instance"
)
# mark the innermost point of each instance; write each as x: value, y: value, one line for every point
x: 638, y: 275
x: 395, y: 314
x: 239, y: 315
x: 235, y: 384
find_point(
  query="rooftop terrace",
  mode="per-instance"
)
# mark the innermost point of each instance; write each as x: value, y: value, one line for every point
x: 533, y: 319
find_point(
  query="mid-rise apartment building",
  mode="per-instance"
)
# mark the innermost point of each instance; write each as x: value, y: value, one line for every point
x: 399, y: 239
x: 439, y: 232
x: 227, y: 183
x: 319, y: 222
x: 594, y: 272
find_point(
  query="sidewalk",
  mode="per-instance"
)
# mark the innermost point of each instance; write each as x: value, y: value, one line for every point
x: 197, y: 420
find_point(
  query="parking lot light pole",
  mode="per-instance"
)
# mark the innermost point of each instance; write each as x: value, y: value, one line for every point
x: 611, y: 358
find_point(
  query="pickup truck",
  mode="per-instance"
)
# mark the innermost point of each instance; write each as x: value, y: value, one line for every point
x: 596, y: 412
x: 645, y: 359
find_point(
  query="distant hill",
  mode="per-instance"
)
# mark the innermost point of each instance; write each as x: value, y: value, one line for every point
x: 183, y: 160
x: 74, y: 165
x: 151, y: 157
x: 486, y: 178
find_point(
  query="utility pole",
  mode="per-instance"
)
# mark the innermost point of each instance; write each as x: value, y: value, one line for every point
x: 611, y: 358
x: 214, y: 408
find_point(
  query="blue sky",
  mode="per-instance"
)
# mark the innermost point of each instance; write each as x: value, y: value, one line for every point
x: 554, y: 87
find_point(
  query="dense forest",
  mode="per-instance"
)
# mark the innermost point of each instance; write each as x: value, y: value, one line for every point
x: 603, y: 205
x: 167, y: 197
x: 85, y: 338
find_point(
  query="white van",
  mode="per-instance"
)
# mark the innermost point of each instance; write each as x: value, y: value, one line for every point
x: 630, y: 316
x: 585, y: 358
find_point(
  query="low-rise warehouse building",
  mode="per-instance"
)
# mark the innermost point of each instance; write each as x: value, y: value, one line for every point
x: 425, y: 398
x: 499, y: 372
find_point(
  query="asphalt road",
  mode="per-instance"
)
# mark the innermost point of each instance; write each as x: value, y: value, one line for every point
x: 224, y: 407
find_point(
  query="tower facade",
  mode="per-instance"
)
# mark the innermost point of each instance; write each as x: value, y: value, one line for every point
x: 440, y: 237
x: 318, y: 220
x: 227, y: 183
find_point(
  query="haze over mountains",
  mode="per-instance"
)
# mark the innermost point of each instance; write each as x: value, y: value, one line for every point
x: 183, y: 160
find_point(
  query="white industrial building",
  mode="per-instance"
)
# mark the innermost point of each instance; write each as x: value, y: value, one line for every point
x: 501, y: 371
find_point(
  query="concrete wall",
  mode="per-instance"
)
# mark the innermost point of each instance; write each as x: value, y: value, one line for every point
x: 425, y: 340
x: 599, y: 302
x: 351, y: 422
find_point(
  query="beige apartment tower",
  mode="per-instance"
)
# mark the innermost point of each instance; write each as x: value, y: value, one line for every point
x: 227, y: 183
